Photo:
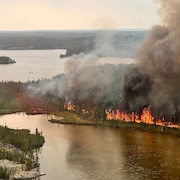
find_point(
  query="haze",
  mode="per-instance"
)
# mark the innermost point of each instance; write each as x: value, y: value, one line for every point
x: 77, y: 14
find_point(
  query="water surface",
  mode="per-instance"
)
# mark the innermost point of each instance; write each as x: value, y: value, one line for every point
x: 88, y: 152
x: 31, y: 65
x: 39, y: 64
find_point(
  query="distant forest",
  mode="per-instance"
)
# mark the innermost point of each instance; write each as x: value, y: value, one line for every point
x: 76, y: 42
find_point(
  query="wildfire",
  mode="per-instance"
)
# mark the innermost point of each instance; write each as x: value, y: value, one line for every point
x: 145, y: 117
x: 69, y: 106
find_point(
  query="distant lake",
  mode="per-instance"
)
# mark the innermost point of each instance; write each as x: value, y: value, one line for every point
x: 39, y: 64
x: 31, y: 64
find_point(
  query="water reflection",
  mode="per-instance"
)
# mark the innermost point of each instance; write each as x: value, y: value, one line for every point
x: 87, y: 152
x: 147, y: 155
x: 96, y: 153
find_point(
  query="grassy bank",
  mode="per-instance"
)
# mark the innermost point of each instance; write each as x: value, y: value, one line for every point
x: 141, y: 126
x: 66, y: 117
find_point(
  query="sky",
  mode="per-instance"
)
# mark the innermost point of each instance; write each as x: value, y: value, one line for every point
x: 77, y: 14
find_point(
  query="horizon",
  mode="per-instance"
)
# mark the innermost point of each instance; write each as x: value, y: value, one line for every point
x: 66, y: 30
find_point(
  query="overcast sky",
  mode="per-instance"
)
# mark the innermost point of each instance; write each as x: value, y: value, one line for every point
x: 77, y: 14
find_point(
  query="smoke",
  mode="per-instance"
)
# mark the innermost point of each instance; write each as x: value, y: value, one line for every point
x: 159, y: 63
x: 153, y: 81
x: 85, y: 77
x: 106, y: 44
x: 115, y: 43
x: 100, y: 82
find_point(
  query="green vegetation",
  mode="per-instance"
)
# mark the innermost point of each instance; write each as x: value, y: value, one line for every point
x: 6, y: 60
x: 70, y: 118
x: 4, y: 173
x: 140, y: 126
x: 14, y: 97
x: 18, y: 146
x: 9, y: 97
x: 21, y: 138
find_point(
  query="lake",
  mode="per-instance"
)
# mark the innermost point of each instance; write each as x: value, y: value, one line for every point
x: 89, y: 152
x: 39, y: 64
x: 31, y: 65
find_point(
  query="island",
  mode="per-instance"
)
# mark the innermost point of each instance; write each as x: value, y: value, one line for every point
x: 6, y: 60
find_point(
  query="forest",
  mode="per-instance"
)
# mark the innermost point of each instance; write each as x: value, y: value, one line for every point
x: 30, y: 98
x: 75, y: 42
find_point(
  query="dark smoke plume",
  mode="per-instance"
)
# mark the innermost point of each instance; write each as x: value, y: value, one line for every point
x: 159, y: 61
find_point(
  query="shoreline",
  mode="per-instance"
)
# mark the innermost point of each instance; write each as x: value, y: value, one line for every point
x: 10, y: 111
x: 69, y: 118
x: 113, y: 124
x: 17, y: 168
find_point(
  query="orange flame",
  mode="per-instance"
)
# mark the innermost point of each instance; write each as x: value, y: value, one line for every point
x: 69, y: 106
x: 145, y: 117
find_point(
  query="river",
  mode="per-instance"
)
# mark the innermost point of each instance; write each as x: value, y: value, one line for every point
x: 89, y: 152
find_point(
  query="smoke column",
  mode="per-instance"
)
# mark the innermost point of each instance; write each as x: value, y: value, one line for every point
x: 85, y: 77
x: 158, y: 65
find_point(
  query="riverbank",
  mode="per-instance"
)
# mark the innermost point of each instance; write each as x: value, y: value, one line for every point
x: 15, y: 171
x: 142, y: 126
x: 17, y: 153
x: 74, y: 145
x: 66, y: 117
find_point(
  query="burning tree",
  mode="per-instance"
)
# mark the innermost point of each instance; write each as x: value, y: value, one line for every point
x: 148, y: 88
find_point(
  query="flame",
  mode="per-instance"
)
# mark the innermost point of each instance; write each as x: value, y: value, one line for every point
x: 145, y: 117
x: 69, y: 106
